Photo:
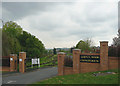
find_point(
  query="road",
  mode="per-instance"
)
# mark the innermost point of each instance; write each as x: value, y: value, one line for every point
x: 30, y: 77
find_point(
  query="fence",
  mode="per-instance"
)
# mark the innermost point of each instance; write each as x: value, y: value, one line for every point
x: 5, y: 65
x: 68, y: 61
x: 5, y: 61
x: 114, y: 51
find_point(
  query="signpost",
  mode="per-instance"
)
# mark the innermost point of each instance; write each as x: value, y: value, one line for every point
x: 90, y: 58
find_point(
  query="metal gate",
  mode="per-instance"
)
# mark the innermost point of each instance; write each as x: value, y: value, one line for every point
x: 68, y: 61
x: 31, y: 64
x: 5, y: 61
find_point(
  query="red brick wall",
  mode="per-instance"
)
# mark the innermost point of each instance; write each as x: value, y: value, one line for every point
x: 103, y: 55
x: 83, y: 67
x: 113, y: 62
x: 92, y: 67
x: 61, y: 63
x: 4, y: 68
x: 68, y: 70
x: 89, y: 67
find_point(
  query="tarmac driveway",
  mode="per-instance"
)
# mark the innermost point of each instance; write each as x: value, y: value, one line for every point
x: 30, y: 77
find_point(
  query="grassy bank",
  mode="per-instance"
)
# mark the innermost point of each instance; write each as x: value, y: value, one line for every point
x: 83, y: 78
x: 48, y: 60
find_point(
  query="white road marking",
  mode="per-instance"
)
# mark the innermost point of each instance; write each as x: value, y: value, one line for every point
x: 11, y: 81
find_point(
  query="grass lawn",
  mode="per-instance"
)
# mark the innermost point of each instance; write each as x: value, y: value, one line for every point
x: 83, y: 78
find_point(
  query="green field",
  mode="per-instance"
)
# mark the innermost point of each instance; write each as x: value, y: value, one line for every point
x: 49, y: 60
x: 83, y: 78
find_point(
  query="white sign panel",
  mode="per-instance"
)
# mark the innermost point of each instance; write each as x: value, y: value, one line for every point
x: 38, y: 61
x: 20, y: 60
x: 34, y: 61
x: 11, y: 59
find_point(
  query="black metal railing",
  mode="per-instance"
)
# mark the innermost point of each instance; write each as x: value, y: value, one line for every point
x: 5, y: 61
x: 68, y: 61
x: 114, y: 51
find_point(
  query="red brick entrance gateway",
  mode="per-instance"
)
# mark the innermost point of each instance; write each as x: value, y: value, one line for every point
x: 105, y: 62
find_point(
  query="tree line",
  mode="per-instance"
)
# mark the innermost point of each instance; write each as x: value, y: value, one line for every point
x: 15, y: 40
x: 114, y: 49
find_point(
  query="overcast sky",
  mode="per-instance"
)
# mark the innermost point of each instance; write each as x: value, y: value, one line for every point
x: 64, y: 24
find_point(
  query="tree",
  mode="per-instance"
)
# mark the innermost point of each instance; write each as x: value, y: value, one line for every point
x: 54, y: 50
x: 114, y: 49
x: 84, y: 45
x: 32, y: 45
x: 16, y: 40
x: 116, y: 40
x: 10, y: 42
x: 5, y: 45
x: 71, y: 49
x: 12, y: 29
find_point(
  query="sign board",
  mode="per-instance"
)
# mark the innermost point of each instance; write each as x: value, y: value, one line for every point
x: 90, y: 58
x: 20, y: 60
x: 36, y: 61
x: 39, y: 62
x: 11, y: 59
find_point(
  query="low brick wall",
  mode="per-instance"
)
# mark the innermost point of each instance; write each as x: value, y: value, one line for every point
x: 4, y: 68
x: 92, y: 67
x: 88, y: 62
x: 89, y: 67
x: 68, y: 70
x: 113, y: 62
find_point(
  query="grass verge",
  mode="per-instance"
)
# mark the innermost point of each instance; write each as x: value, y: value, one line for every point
x: 83, y: 78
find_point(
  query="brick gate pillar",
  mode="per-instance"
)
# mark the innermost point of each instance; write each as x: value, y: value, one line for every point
x: 61, y: 56
x: 22, y: 57
x: 76, y: 60
x: 103, y: 55
x: 13, y: 62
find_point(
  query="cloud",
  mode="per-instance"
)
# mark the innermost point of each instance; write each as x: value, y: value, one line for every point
x: 64, y: 24
x: 19, y: 10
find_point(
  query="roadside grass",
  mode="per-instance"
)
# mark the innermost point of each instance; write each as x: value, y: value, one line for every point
x: 83, y: 78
